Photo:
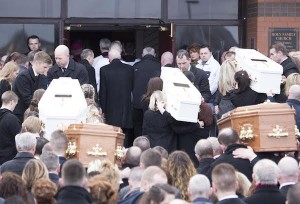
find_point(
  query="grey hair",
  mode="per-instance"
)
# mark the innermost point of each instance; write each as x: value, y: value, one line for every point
x: 204, y: 149
x: 114, y: 53
x: 104, y: 44
x: 85, y: 53
x: 266, y: 171
x: 156, y: 96
x: 25, y: 141
x: 181, y: 53
x: 50, y: 159
x: 199, y: 186
x: 148, y: 51
x: 116, y: 45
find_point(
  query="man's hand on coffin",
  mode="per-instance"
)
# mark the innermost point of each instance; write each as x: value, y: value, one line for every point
x: 244, y: 153
x: 160, y: 106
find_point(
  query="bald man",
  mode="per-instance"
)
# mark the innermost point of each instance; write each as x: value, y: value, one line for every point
x: 294, y: 102
x: 167, y: 59
x: 67, y: 67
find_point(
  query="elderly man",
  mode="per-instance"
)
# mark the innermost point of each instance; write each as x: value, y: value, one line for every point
x: 294, y: 102
x: 116, y: 85
x: 204, y: 153
x: 25, y: 144
x: 87, y: 59
x: 199, y: 189
x: 66, y: 67
x: 288, y: 174
x: 147, y: 68
x: 265, y: 176
x: 183, y: 61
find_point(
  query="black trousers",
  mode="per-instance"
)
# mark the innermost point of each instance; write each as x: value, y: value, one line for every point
x: 138, y: 116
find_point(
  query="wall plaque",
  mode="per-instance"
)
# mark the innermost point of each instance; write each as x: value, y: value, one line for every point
x: 288, y: 36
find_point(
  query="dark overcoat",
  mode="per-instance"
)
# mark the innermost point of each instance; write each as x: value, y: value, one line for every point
x: 116, y: 85
x: 74, y: 70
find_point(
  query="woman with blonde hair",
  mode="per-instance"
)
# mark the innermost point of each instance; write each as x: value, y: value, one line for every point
x: 33, y: 125
x: 292, y: 79
x: 180, y: 169
x: 156, y: 126
x: 8, y: 74
x: 226, y: 84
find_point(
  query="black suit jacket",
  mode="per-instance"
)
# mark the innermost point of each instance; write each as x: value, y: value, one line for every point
x: 201, y: 82
x: 74, y: 70
x: 116, y: 85
x: 24, y: 86
x: 266, y: 194
x: 242, y: 165
x: 17, y: 164
x: 147, y: 68
x: 91, y: 73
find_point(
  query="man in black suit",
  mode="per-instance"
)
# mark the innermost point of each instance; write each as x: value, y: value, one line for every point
x: 29, y: 81
x: 116, y: 85
x: 183, y: 61
x: 25, y: 144
x: 229, y: 141
x: 10, y: 126
x: 147, y: 68
x: 87, y: 59
x: 224, y: 184
x: 265, y: 176
x: 66, y: 67
x: 288, y: 174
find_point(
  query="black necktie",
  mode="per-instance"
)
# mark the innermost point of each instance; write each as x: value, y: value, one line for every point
x: 63, y: 70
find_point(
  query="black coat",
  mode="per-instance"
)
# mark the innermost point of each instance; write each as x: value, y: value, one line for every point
x: 147, y: 68
x: 158, y: 130
x: 73, y: 195
x: 10, y: 126
x: 91, y: 73
x: 242, y: 165
x: 284, y: 189
x: 289, y: 67
x: 17, y: 164
x: 24, y: 86
x: 201, y: 82
x: 116, y: 85
x: 74, y: 70
x: 266, y: 194
x: 204, y: 166
x: 247, y: 98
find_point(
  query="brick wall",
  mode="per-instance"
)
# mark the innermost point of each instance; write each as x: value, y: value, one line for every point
x: 265, y: 14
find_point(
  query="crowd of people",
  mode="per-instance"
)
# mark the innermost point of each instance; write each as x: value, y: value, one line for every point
x: 166, y: 161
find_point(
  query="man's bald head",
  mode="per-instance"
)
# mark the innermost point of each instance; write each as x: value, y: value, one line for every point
x: 133, y: 155
x: 166, y: 58
x: 228, y: 136
x: 294, y: 92
x: 62, y: 56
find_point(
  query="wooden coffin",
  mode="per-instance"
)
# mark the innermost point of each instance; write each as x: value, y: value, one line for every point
x: 88, y: 142
x: 267, y: 127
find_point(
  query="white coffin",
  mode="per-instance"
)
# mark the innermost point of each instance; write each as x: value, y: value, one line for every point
x: 62, y: 104
x: 183, y: 98
x: 265, y: 74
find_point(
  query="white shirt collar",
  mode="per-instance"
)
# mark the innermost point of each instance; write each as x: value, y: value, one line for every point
x: 228, y: 197
x: 34, y: 72
x: 286, y: 184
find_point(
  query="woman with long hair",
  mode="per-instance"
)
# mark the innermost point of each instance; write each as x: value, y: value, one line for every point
x: 154, y: 84
x: 180, y: 169
x: 7, y: 75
